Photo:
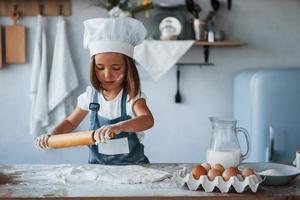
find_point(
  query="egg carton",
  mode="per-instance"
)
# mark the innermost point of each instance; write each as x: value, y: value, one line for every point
x: 240, y: 184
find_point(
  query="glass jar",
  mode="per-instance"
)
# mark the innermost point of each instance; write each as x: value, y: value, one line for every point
x: 224, y: 145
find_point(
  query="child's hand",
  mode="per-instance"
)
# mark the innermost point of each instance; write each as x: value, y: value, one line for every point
x: 106, y: 132
x: 41, y: 142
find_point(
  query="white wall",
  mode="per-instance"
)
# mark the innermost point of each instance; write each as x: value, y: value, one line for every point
x: 182, y: 131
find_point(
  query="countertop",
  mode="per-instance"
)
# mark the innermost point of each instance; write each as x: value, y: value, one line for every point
x: 31, y: 182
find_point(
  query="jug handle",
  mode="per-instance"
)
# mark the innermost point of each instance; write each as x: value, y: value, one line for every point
x: 246, y: 134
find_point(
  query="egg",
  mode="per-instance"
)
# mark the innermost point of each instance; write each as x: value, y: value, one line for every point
x: 247, y: 172
x: 229, y: 172
x: 206, y: 166
x: 218, y: 167
x: 240, y: 177
x: 198, y: 171
x: 213, y: 173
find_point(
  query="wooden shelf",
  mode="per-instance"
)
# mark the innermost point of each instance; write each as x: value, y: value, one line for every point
x: 206, y: 45
x: 220, y: 43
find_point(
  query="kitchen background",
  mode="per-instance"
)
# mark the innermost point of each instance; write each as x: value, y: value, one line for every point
x: 182, y: 131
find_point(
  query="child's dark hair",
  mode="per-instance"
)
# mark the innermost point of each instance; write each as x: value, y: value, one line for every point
x: 131, y: 81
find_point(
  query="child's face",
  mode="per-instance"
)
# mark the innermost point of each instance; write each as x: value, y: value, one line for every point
x: 110, y: 70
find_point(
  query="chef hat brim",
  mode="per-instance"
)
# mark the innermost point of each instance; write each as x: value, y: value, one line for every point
x: 97, y: 47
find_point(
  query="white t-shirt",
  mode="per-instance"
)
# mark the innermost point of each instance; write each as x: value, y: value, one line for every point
x: 109, y: 109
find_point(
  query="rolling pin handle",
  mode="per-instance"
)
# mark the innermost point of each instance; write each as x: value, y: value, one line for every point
x: 93, y: 139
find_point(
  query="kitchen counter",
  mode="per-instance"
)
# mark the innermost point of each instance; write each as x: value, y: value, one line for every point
x: 31, y: 181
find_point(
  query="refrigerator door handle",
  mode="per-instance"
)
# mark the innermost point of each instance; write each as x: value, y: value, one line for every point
x: 270, y: 148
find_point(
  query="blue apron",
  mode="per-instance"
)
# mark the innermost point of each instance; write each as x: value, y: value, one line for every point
x: 136, y: 149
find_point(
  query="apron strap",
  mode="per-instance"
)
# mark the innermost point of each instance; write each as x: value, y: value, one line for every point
x: 123, y: 104
x: 94, y: 108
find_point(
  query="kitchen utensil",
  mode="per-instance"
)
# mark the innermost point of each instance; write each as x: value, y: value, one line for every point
x: 229, y: 2
x: 224, y: 145
x: 210, y: 16
x: 74, y: 139
x: 190, y: 5
x: 71, y: 139
x: 270, y: 148
x: 15, y: 35
x: 288, y: 172
x: 197, y: 10
x: 200, y: 29
x: 215, y: 4
x: 178, y: 95
x: 193, y: 8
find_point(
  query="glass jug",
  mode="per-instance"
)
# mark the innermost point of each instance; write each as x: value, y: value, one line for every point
x: 224, y: 145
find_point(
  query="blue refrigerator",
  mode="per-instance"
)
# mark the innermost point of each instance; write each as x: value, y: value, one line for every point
x: 267, y: 104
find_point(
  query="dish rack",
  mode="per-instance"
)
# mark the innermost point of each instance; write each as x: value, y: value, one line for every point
x: 184, y: 179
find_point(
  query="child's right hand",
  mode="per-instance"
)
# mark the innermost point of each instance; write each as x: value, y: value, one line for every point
x: 41, y: 142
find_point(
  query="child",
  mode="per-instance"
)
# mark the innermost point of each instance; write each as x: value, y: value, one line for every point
x: 118, y: 109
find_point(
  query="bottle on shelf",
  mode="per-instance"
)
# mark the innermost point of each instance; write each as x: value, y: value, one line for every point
x: 211, y: 35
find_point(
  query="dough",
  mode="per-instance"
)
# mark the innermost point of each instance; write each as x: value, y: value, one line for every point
x: 127, y: 174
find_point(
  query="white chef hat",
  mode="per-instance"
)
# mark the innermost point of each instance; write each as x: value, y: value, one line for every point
x: 119, y: 35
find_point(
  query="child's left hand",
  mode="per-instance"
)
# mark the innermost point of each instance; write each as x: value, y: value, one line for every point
x: 106, y: 132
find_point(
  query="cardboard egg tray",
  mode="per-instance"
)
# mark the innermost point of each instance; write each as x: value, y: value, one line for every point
x: 239, y: 184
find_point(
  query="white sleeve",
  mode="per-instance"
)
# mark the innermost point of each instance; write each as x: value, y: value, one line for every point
x: 133, y: 100
x: 83, y: 101
x: 139, y: 96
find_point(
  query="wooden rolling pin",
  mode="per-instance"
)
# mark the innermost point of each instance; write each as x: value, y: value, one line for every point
x: 71, y: 139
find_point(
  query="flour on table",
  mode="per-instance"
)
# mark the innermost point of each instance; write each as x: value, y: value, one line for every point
x: 127, y: 174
